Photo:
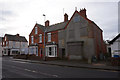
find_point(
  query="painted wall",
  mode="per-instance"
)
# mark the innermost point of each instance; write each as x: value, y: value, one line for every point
x: 78, y: 30
x: 115, y: 46
x: 62, y: 43
x: 15, y: 44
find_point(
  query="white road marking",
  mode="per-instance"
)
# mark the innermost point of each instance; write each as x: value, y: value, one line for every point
x: 41, y: 73
x: 19, y: 61
x: 34, y: 71
x: 55, y: 75
x: 109, y: 71
x: 27, y: 69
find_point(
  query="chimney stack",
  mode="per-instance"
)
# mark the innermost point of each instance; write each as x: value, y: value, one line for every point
x: 47, y: 23
x: 17, y: 34
x: 83, y: 12
x: 65, y: 17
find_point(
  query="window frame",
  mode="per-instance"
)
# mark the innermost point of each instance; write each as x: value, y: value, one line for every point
x: 36, y: 30
x: 40, y: 38
x: 49, y: 37
x: 32, y: 40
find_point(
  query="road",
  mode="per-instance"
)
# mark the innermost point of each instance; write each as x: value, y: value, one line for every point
x: 18, y: 69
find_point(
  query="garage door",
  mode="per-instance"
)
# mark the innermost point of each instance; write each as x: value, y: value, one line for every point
x: 75, y: 50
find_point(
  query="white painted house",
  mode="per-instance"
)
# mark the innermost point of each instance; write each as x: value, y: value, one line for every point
x: 115, y: 46
x: 14, y: 44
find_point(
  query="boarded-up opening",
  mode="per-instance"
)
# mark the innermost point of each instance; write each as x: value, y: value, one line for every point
x: 75, y: 50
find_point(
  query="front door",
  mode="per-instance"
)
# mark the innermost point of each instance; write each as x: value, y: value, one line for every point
x: 41, y: 53
x: 8, y: 52
x: 63, y: 53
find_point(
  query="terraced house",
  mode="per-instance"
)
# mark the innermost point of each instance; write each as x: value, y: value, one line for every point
x: 76, y: 38
x: 14, y: 44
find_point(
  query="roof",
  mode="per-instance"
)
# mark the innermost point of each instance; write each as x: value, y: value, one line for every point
x: 16, y: 38
x: 53, y: 27
x: 41, y: 26
x: 111, y: 42
x: 57, y: 26
x: 62, y: 25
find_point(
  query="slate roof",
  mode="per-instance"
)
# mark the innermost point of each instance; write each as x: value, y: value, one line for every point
x: 57, y: 26
x: 41, y: 26
x: 61, y: 25
x: 16, y: 38
x: 53, y: 27
x: 111, y: 42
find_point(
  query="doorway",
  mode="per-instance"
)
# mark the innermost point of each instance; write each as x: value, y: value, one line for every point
x: 63, y: 53
x: 8, y: 52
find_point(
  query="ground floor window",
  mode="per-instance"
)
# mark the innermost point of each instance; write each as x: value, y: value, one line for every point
x: 51, y: 51
x: 33, y: 50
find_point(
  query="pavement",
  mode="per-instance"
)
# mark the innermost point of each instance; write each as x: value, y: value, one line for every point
x: 77, y: 64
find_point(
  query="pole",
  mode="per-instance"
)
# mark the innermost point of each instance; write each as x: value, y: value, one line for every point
x: 44, y: 55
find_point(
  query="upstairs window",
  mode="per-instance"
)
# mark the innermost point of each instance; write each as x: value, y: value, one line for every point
x: 14, y: 44
x: 32, y: 40
x: 6, y: 43
x: 40, y: 38
x: 5, y: 38
x: 49, y: 37
x: 3, y: 43
x: 35, y: 30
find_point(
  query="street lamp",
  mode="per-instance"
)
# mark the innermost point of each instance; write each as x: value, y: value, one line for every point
x: 44, y: 57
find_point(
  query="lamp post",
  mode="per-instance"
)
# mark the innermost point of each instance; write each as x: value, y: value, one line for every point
x: 44, y: 56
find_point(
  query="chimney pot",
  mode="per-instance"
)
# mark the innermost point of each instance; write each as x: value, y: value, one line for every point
x: 17, y: 34
x: 65, y: 17
x: 83, y: 12
x: 47, y: 23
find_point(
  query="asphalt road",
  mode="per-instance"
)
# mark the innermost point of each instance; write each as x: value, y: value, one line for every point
x: 18, y: 69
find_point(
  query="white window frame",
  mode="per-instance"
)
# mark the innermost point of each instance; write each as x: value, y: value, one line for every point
x: 54, y: 47
x: 6, y: 43
x: 14, y: 43
x: 32, y: 39
x: 49, y: 37
x: 40, y: 38
x: 5, y: 38
x: 36, y: 30
x: 3, y: 43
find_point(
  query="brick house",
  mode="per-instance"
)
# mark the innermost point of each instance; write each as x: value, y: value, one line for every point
x: 14, y: 44
x: 76, y: 38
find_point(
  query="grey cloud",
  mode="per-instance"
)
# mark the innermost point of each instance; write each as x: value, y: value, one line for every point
x: 6, y: 14
x: 2, y: 19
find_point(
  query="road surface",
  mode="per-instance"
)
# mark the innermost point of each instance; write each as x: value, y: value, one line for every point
x: 18, y: 69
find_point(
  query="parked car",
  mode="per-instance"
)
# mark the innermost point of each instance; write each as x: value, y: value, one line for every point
x: 116, y: 53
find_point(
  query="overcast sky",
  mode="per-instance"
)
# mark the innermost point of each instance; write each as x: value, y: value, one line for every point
x: 20, y: 16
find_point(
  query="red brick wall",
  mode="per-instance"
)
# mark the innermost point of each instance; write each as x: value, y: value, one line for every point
x: 99, y: 43
x: 36, y: 38
x: 54, y: 37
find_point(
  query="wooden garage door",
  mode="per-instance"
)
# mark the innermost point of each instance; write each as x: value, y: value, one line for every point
x: 75, y: 48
